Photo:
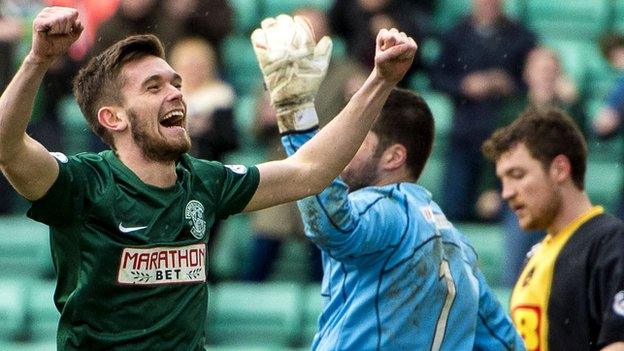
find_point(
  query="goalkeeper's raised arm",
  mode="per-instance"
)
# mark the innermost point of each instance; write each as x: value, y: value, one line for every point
x: 294, y: 65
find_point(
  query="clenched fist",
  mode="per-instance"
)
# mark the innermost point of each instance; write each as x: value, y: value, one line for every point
x: 394, y: 54
x: 54, y: 30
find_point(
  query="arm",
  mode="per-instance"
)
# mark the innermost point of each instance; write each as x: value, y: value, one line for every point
x: 616, y: 346
x: 313, y: 166
x: 494, y: 331
x: 28, y: 166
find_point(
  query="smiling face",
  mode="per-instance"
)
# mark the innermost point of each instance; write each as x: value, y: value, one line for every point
x: 528, y: 188
x: 155, y: 108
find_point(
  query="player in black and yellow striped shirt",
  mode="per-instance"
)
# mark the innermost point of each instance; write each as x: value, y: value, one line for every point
x: 570, y: 295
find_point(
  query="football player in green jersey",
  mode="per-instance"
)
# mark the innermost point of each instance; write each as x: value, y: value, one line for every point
x: 128, y: 225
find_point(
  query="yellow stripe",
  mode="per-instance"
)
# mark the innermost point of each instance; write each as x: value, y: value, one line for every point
x: 529, y: 299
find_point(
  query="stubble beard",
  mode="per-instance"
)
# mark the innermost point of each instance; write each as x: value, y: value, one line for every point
x: 155, y: 147
x: 548, y: 213
x: 362, y: 177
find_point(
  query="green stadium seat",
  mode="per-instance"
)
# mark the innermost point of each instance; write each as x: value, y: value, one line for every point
x: 572, y: 19
x: 76, y: 130
x: 41, y: 311
x: 247, y: 15
x: 449, y: 12
x: 618, y: 16
x: 603, y: 182
x: 432, y: 176
x: 232, y: 247
x: 275, y: 7
x: 29, y: 346
x: 293, y: 262
x: 488, y: 242
x: 240, y: 64
x: 265, y: 314
x: 24, y: 247
x: 312, y: 308
x: 12, y: 309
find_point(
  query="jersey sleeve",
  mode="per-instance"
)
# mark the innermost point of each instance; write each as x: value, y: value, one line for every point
x: 606, y: 291
x: 333, y: 222
x: 239, y: 183
x: 495, y: 330
x: 67, y: 200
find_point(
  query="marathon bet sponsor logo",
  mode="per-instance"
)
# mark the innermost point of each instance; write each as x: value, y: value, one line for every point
x: 238, y: 169
x: 195, y: 213
x: 163, y: 265
x: 618, y: 303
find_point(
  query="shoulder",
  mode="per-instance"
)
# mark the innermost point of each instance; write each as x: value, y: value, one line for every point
x: 601, y: 234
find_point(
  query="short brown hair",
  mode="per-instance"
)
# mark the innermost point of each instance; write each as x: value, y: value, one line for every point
x: 98, y: 83
x: 406, y: 119
x: 546, y: 134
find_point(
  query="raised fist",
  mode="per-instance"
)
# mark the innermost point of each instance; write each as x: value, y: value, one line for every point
x: 54, y: 30
x: 394, y: 54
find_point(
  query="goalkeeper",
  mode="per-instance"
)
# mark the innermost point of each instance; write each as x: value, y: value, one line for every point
x: 128, y: 226
x: 397, y: 274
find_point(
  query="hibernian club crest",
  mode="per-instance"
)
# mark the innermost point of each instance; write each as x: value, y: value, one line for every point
x: 195, y: 213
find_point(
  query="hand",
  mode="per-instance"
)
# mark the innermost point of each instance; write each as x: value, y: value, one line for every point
x: 475, y: 86
x: 55, y: 29
x: 293, y: 67
x: 394, y: 54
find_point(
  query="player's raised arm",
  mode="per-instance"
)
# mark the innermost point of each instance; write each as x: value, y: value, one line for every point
x: 293, y: 68
x: 26, y: 163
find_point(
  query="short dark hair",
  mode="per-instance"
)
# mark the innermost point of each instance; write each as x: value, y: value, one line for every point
x: 406, y: 119
x: 609, y: 42
x: 99, y: 82
x: 546, y: 134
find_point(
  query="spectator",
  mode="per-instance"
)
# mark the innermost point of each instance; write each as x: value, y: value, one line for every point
x: 10, y: 35
x: 358, y: 21
x: 208, y: 19
x: 608, y: 122
x: 479, y: 67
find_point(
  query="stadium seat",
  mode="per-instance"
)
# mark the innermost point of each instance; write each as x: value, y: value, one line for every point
x: 24, y: 247
x: 432, y: 177
x: 275, y: 7
x: 41, y: 311
x: 572, y: 19
x: 449, y: 12
x: 75, y: 128
x: 246, y: 14
x: 240, y: 64
x: 265, y: 314
x: 312, y: 308
x: 29, y: 346
x: 487, y: 240
x: 232, y: 248
x: 603, y: 182
x: 12, y: 309
x: 618, y: 16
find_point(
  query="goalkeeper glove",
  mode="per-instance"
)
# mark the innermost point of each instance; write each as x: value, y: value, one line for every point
x: 293, y: 68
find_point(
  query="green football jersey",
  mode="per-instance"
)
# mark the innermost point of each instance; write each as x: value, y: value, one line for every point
x: 130, y: 257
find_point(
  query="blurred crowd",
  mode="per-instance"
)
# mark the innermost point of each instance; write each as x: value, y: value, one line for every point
x: 488, y: 64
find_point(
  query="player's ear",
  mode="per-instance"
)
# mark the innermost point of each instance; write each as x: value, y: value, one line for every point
x: 112, y: 118
x: 560, y: 168
x: 394, y: 157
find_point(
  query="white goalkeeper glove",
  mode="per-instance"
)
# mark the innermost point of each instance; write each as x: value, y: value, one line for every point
x: 293, y: 68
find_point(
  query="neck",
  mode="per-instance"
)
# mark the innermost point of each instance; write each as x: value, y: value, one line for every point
x: 573, y: 204
x: 159, y: 174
